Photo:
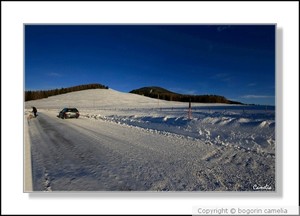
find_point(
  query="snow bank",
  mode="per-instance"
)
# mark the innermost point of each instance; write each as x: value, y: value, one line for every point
x: 250, y: 128
x: 235, y: 129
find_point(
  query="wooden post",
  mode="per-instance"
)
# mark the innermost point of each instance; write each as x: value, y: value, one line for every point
x: 190, y: 110
x: 158, y: 99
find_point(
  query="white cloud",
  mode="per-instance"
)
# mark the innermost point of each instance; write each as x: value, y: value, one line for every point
x: 54, y: 74
x: 257, y: 96
x: 252, y: 84
x: 219, y: 75
x: 223, y: 27
x: 183, y: 91
x: 223, y: 77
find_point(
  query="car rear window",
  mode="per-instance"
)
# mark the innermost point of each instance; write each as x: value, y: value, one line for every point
x: 72, y: 110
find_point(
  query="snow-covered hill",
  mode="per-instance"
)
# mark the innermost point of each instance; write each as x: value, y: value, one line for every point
x: 104, y: 98
x: 98, y: 98
x: 163, y: 146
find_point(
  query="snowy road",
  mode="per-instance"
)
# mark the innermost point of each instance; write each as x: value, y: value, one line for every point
x: 87, y: 155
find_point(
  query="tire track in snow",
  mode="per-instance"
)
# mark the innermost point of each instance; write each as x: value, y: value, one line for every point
x: 58, y: 153
x: 86, y: 145
x: 79, y: 154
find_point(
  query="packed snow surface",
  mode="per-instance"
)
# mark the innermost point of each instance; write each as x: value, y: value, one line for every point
x: 128, y: 142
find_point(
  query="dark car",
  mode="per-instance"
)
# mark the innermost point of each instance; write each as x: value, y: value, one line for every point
x: 68, y: 113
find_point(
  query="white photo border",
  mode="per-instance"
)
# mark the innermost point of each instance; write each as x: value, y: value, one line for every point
x: 15, y: 14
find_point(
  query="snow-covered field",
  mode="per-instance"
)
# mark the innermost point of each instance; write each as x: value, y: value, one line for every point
x: 127, y: 142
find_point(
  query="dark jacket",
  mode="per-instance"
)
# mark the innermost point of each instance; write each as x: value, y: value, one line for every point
x: 34, y: 109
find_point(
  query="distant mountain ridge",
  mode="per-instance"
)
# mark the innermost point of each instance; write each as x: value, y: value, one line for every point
x: 164, y: 94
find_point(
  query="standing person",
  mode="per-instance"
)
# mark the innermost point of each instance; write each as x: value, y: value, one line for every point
x: 34, y: 110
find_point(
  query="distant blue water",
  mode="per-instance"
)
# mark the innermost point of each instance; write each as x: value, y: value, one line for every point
x: 238, y: 111
x: 250, y: 107
x: 226, y: 108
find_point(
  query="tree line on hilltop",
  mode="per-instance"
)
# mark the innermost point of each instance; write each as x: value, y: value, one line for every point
x: 161, y: 93
x: 34, y: 95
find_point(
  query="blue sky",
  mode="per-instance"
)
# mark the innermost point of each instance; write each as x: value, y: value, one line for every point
x: 235, y: 61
